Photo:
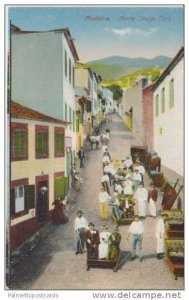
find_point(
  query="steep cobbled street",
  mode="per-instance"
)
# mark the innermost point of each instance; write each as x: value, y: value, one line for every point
x: 53, y: 263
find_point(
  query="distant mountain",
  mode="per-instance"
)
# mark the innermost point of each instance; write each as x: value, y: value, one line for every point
x: 114, y: 67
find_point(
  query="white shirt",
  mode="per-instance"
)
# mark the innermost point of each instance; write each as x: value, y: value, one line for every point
x: 128, y: 190
x: 107, y: 169
x: 105, y: 159
x: 136, y: 228
x: 104, y: 197
x: 127, y: 163
x: 118, y: 188
x: 137, y: 177
x: 104, y: 178
x: 80, y: 223
x: 141, y: 169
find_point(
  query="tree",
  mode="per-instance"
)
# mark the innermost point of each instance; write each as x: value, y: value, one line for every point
x: 116, y: 90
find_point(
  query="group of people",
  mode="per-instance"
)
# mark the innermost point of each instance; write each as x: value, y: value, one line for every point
x: 122, y: 189
x: 130, y: 199
x: 103, y: 245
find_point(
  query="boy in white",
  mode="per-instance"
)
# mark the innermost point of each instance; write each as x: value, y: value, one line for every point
x: 136, y: 230
x: 104, y: 198
x: 103, y: 247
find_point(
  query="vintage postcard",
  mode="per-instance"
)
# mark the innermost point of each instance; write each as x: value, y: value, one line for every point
x: 95, y: 149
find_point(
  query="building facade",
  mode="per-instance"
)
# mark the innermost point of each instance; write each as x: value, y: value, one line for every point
x: 168, y: 97
x: 37, y: 161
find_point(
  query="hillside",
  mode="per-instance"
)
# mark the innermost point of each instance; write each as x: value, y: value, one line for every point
x: 115, y: 67
x: 129, y: 80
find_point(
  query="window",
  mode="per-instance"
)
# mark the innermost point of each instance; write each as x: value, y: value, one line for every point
x: 171, y: 93
x: 42, y: 145
x: 19, y: 141
x: 70, y: 70
x: 73, y: 76
x: 66, y: 63
x: 21, y: 197
x: 59, y: 141
x: 157, y: 105
x: 163, y: 100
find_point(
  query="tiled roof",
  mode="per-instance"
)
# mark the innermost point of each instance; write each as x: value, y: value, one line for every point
x: 23, y: 112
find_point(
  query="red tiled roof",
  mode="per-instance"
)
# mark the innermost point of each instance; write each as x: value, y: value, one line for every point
x: 23, y: 112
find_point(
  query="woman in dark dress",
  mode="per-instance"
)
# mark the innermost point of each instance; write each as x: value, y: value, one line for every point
x: 58, y: 216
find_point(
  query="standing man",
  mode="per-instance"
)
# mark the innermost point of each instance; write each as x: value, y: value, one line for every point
x: 136, y: 230
x: 92, y: 239
x: 81, y: 155
x: 160, y: 232
x: 104, y: 198
x: 113, y: 243
x: 80, y: 225
x: 42, y: 205
x: 141, y: 197
x: 152, y: 199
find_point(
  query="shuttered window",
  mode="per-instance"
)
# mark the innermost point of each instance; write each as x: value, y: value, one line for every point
x: 171, y: 93
x: 163, y: 100
x: 59, y: 141
x: 157, y: 105
x: 19, y: 141
x: 61, y: 186
x: 42, y: 142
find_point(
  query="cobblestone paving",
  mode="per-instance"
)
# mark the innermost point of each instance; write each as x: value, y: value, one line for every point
x: 53, y: 264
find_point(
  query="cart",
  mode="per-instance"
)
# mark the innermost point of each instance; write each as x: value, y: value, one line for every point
x: 105, y: 263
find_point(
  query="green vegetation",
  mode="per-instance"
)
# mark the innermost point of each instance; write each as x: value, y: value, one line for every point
x: 129, y: 80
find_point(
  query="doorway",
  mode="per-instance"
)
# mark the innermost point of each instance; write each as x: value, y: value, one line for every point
x: 42, y: 196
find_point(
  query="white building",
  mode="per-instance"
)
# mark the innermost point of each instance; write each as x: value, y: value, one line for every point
x: 169, y: 115
x: 108, y: 96
x: 42, y: 76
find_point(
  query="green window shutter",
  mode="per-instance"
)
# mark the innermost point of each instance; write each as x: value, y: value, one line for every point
x: 59, y: 143
x: 171, y: 93
x: 59, y: 186
x: 42, y: 143
x: 19, y: 143
x: 29, y: 196
x: 157, y: 106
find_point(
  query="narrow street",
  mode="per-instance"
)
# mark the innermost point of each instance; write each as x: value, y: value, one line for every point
x: 53, y: 263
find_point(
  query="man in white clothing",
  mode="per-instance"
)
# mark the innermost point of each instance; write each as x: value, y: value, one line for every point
x: 136, y: 230
x: 160, y: 232
x: 104, y: 198
x: 80, y: 225
x: 137, y: 178
x: 141, y: 196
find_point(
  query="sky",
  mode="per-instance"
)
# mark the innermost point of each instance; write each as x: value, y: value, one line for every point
x: 107, y: 31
